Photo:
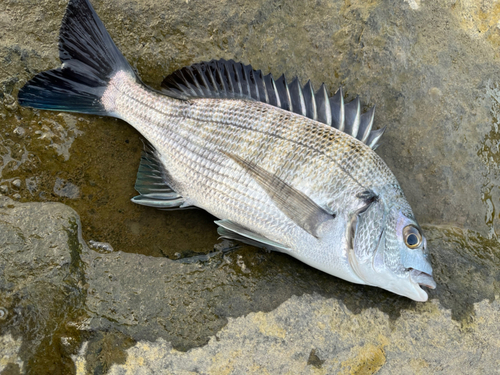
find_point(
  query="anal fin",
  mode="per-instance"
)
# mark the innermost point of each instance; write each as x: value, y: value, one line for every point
x: 232, y: 231
x: 153, y: 185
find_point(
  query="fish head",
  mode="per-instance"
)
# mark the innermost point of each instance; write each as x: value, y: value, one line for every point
x: 390, y: 250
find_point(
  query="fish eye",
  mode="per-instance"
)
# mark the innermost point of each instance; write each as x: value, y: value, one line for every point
x: 412, y: 236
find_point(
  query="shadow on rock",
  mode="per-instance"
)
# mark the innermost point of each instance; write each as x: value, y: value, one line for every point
x: 189, y: 300
x: 466, y: 269
x: 57, y: 293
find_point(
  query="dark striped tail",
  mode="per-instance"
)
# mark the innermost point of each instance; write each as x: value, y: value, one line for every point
x: 89, y: 59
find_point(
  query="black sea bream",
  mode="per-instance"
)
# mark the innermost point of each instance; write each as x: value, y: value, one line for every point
x: 281, y: 166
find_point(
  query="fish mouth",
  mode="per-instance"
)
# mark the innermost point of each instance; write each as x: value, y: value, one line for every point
x: 422, y: 279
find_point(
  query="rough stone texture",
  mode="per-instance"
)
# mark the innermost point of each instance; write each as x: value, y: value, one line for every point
x: 9, y: 348
x: 430, y: 67
x: 40, y: 277
x: 71, y: 309
x: 432, y: 70
x: 280, y: 342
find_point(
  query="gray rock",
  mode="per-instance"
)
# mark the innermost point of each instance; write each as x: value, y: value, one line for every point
x: 40, y: 284
x: 282, y: 341
x: 66, y: 189
x: 9, y: 348
x: 31, y: 184
x: 244, y: 312
x: 356, y: 328
x: 430, y: 67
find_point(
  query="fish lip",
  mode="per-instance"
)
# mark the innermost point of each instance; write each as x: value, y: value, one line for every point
x: 422, y: 279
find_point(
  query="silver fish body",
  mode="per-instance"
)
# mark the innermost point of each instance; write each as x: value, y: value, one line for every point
x: 274, y: 177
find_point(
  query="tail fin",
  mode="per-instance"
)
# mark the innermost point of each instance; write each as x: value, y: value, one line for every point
x: 89, y: 60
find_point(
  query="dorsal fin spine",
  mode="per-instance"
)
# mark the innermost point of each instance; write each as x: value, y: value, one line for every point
x: 212, y: 80
x: 186, y: 76
x: 322, y: 95
x: 237, y: 72
x: 338, y: 101
x: 284, y: 93
x: 270, y: 90
x: 311, y: 101
x: 221, y: 80
x: 303, y: 108
x: 288, y: 95
x: 264, y: 85
x: 374, y: 137
x: 205, y: 82
x: 261, y: 86
x: 275, y: 90
x: 244, y: 82
x: 263, y: 92
x: 190, y: 87
x: 296, y: 97
x: 228, y: 81
x: 342, y: 111
x: 250, y: 79
x: 193, y: 74
x: 252, y: 75
x: 355, y: 123
x: 241, y: 83
x: 367, y: 123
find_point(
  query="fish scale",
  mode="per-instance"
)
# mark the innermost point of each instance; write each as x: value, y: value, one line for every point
x: 208, y: 128
x: 280, y: 165
x: 214, y: 125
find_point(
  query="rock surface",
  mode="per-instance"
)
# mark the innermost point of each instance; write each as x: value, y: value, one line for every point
x: 431, y: 68
x: 315, y: 335
x: 9, y: 358
x: 71, y: 309
x: 163, y: 298
x: 40, y: 283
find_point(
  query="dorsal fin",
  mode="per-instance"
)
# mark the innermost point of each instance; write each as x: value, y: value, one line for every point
x: 232, y: 80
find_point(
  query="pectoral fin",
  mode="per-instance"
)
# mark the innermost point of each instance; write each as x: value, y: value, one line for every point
x: 292, y: 202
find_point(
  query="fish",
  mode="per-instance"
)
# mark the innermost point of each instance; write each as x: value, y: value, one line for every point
x: 280, y: 165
